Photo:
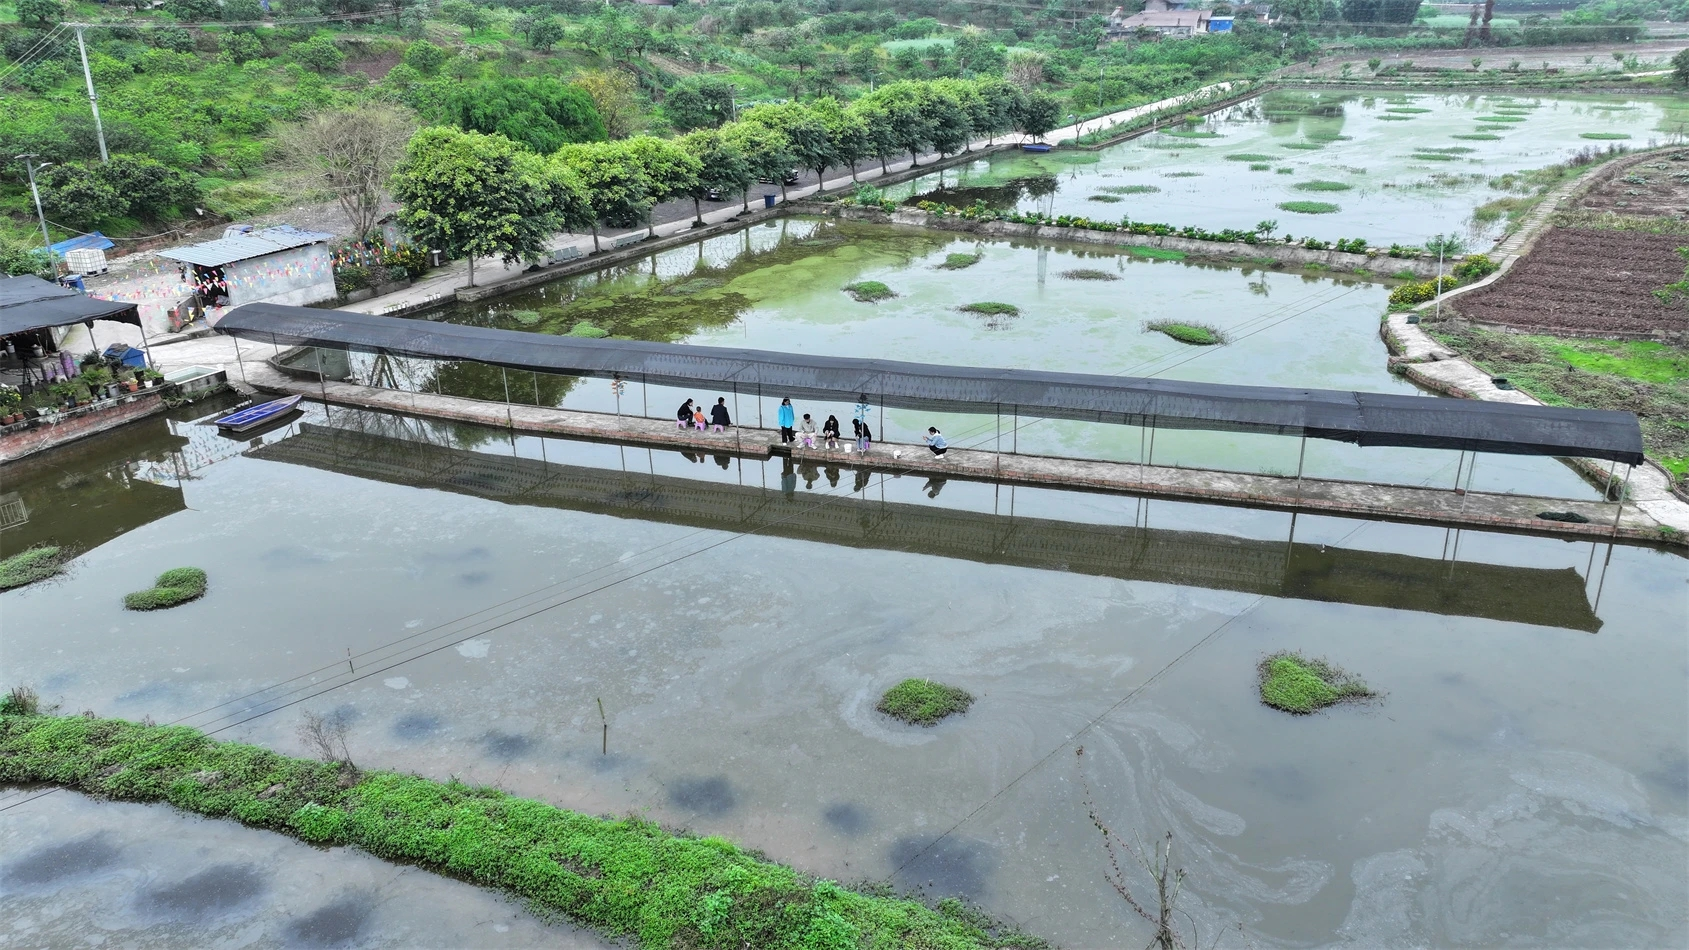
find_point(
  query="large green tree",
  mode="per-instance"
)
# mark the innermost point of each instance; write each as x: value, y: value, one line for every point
x: 1037, y: 113
x: 88, y: 194
x: 896, y: 117
x: 806, y: 135
x: 723, y: 168
x: 670, y: 168
x: 701, y: 103
x: 474, y: 195
x: 542, y: 113
x: 616, y: 186
x: 766, y: 151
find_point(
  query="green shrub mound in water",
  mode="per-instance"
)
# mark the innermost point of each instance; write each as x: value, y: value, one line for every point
x: 1407, y: 110
x: 1501, y: 118
x: 1296, y: 684
x: 1603, y: 136
x: 1249, y: 157
x: 1106, y: 199
x: 992, y: 309
x: 1322, y: 185
x: 1195, y: 334
x: 869, y: 291
x: 174, y: 587
x: 1477, y: 137
x: 1129, y: 189
x: 923, y: 702
x: 626, y: 878
x: 1088, y: 273
x: 586, y: 329
x: 1309, y: 207
x: 527, y: 318
x: 28, y: 566
x: 959, y: 261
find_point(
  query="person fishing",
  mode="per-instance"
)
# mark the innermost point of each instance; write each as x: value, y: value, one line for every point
x: 830, y: 431
x: 684, y: 414
x: 864, y: 438
x: 719, y: 420
x: 935, y: 441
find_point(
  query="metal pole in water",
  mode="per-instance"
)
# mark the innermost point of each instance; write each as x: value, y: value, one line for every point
x: 1607, y: 492
x: 1152, y: 440
x: 1470, y: 468
x: 1300, y: 458
x: 322, y: 380
x: 1459, y: 467
x: 1619, y: 508
x: 1015, y: 435
x: 509, y: 421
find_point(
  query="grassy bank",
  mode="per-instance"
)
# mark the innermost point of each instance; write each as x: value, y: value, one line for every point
x: 1647, y: 378
x: 625, y: 878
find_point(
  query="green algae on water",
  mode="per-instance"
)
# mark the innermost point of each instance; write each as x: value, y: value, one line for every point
x: 1194, y: 334
x: 1308, y: 207
x: 1295, y: 684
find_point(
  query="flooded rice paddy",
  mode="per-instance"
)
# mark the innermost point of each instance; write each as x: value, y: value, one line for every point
x: 1396, y: 168
x: 1524, y: 782
x: 779, y: 287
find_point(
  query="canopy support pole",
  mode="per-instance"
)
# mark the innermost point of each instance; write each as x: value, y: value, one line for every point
x: 536, y: 387
x: 1471, y: 469
x: 1459, y: 467
x: 1618, y: 509
x: 645, y: 395
x: 241, y: 364
x: 322, y: 379
x: 1015, y: 434
x: 1152, y: 440
x: 1607, y: 492
x: 1300, y: 458
x: 509, y: 421
x: 999, y: 428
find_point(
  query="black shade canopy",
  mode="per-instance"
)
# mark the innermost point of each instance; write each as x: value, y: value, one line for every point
x: 30, y: 303
x: 1361, y: 418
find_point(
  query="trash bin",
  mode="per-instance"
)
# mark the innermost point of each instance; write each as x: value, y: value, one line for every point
x: 768, y: 201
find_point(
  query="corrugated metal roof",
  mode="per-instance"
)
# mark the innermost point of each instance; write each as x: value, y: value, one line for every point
x: 257, y: 244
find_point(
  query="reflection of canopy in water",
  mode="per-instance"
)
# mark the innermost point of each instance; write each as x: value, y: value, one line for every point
x: 1554, y: 598
x: 98, y: 500
x: 1368, y: 419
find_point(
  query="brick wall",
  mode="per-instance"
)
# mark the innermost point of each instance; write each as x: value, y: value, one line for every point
x: 73, y: 425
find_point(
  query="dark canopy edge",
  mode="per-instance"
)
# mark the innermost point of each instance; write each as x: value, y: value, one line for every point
x: 1367, y: 419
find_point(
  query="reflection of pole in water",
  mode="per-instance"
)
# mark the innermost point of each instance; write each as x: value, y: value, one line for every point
x: 1043, y: 264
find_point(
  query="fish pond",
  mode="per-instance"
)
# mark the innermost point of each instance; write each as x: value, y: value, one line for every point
x: 739, y: 620
x: 782, y: 286
x: 1393, y: 169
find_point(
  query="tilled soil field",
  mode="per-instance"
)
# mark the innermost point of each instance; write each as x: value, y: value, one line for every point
x: 1585, y: 283
x: 1653, y: 187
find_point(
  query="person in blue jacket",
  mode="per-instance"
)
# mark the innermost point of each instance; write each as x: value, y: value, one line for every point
x: 936, y: 442
x: 788, y: 419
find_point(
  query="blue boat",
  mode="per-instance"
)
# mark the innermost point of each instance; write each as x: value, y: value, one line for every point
x: 254, y: 416
x: 1034, y: 147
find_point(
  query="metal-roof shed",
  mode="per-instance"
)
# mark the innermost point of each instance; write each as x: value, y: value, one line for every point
x: 30, y: 303
x: 228, y: 250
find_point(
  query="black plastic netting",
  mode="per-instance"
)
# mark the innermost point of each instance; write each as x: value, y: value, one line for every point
x: 1362, y: 418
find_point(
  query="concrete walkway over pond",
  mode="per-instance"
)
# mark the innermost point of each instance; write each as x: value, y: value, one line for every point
x: 1383, y: 502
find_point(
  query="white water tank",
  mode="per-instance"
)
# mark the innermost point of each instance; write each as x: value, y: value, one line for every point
x: 85, y: 260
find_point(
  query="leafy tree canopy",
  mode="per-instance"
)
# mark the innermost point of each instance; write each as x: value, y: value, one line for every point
x: 542, y: 113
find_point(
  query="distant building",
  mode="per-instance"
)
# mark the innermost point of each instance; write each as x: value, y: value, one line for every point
x: 282, y: 265
x: 1164, y: 18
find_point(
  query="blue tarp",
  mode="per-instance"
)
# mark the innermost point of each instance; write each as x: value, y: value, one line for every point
x: 93, y: 241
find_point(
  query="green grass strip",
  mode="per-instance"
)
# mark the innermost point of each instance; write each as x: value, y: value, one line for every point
x: 1249, y: 157
x: 1195, y: 334
x: 173, y: 588
x: 1477, y: 137
x: 1308, y: 207
x: 1603, y: 136
x: 625, y: 878
x: 1106, y: 199
x: 1501, y: 118
x: 1156, y: 253
x: 31, y: 565
x: 992, y: 309
x: 1322, y: 185
x: 1303, y: 146
x: 1129, y: 189
x: 1296, y: 684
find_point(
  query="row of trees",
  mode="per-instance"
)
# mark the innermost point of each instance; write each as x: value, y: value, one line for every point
x: 474, y: 194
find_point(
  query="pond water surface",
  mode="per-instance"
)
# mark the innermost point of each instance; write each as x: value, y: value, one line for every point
x: 1401, y: 168
x: 1525, y: 780
x: 1082, y: 309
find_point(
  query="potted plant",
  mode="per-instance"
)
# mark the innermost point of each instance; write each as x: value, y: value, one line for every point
x: 10, y: 400
x: 153, y: 378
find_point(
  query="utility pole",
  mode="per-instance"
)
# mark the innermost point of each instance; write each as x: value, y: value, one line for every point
x: 93, y: 100
x: 46, y: 242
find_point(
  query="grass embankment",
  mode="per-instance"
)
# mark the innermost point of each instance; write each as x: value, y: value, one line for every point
x: 626, y: 878
x: 1647, y: 378
x: 174, y: 587
x: 869, y: 291
x: 1196, y: 334
x: 923, y: 702
x: 35, y: 564
x: 1296, y: 684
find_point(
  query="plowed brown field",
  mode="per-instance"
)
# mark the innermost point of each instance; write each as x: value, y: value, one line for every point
x: 1586, y: 283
